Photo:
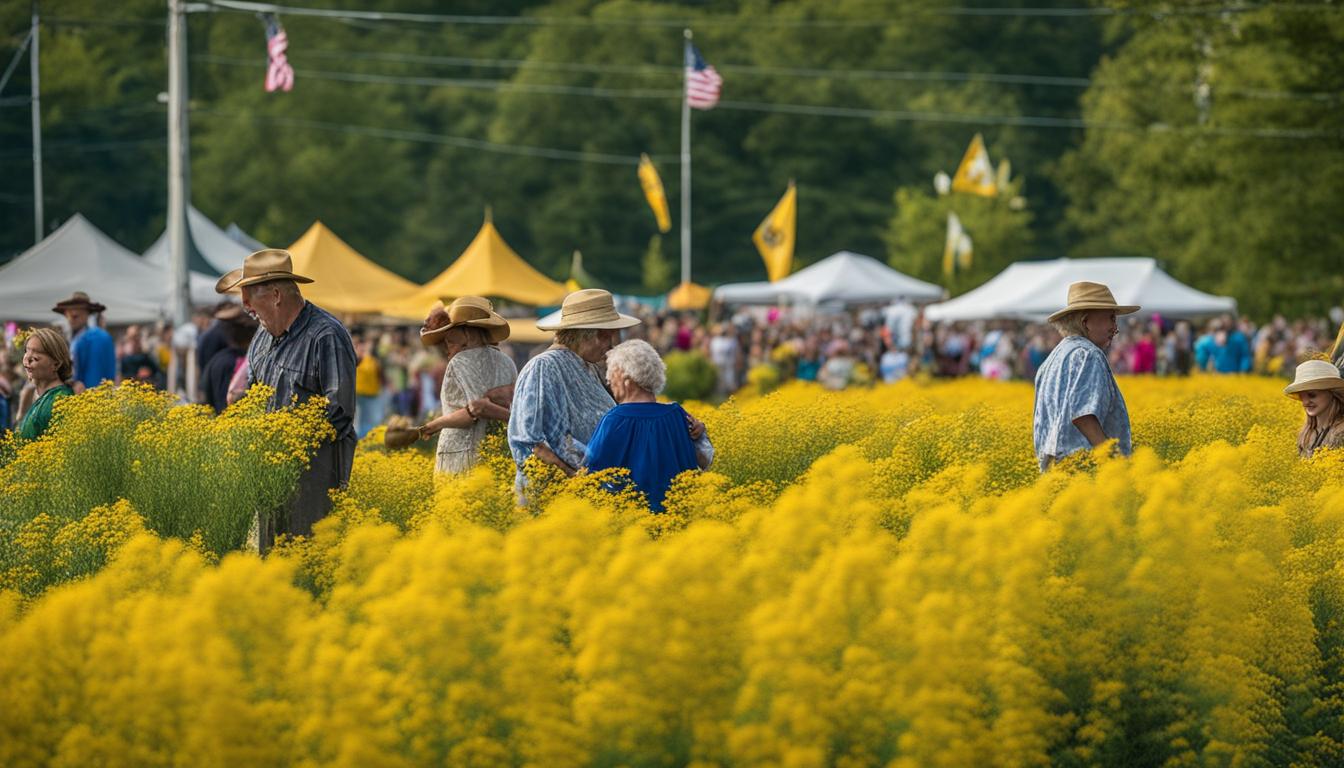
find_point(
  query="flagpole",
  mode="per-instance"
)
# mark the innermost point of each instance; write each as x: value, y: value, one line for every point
x: 685, y: 166
x: 35, y: 90
x: 179, y: 299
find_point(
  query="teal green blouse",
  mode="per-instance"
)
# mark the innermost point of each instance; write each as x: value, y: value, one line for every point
x: 38, y: 418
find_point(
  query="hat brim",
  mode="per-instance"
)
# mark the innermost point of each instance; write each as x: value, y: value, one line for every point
x: 497, y: 329
x: 1329, y: 382
x: 1119, y: 309
x: 228, y: 283
x: 91, y: 306
x: 559, y: 324
x: 270, y: 277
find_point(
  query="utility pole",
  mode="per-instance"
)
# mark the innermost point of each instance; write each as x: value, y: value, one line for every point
x: 36, y: 103
x: 685, y: 163
x: 179, y: 300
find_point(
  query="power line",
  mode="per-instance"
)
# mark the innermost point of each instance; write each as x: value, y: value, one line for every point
x: 678, y: 23
x: 455, y: 141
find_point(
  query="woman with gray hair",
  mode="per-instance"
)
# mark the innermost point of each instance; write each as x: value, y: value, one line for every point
x: 1078, y: 403
x: 640, y: 434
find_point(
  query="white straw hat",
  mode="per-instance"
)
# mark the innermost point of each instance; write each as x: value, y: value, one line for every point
x: 1315, y: 374
x: 588, y: 308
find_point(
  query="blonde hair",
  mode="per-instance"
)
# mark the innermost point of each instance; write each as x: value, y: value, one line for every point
x: 53, y: 345
x: 1312, y: 428
x: 1071, y: 324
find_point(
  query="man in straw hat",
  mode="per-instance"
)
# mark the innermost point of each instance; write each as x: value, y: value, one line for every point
x: 301, y: 351
x: 94, y: 352
x: 1319, y: 387
x: 1078, y: 404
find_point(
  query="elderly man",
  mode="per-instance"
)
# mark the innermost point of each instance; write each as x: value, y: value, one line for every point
x: 301, y: 351
x: 92, y: 348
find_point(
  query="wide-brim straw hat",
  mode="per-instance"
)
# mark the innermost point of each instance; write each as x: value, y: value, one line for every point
x: 1084, y: 296
x: 1315, y: 374
x: 228, y: 283
x: 264, y: 266
x: 589, y: 308
x: 472, y: 311
x: 78, y: 300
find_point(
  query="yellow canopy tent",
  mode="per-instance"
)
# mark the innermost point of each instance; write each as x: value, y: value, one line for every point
x: 344, y: 281
x: 489, y: 268
x: 688, y: 296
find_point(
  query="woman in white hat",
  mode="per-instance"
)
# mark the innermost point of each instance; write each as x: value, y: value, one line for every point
x: 1078, y: 403
x: 560, y: 396
x: 1317, y: 384
x: 477, y: 384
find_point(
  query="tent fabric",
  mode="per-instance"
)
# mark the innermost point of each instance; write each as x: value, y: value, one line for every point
x: 1032, y: 290
x: 689, y: 296
x: 489, y: 268
x: 211, y: 251
x: 843, y: 277
x: 344, y: 281
x: 236, y: 234
x: 80, y: 257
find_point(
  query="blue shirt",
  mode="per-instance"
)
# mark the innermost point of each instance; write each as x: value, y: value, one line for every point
x: 95, y: 357
x: 649, y: 439
x: 558, y: 400
x: 1074, y: 381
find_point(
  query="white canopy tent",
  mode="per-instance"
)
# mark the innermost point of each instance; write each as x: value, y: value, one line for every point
x: 212, y: 251
x: 80, y: 257
x: 1032, y: 290
x: 843, y: 277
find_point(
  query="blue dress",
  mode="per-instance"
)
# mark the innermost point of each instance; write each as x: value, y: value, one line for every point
x: 649, y: 439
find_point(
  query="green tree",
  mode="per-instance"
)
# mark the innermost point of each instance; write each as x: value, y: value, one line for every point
x: 658, y: 276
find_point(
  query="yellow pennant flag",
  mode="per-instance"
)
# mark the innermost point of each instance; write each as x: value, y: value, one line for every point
x: 653, y: 192
x: 957, y: 248
x: 975, y: 175
x: 775, y: 237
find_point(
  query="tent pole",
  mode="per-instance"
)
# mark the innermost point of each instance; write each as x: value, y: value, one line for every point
x: 179, y: 300
x: 685, y: 169
x: 36, y: 103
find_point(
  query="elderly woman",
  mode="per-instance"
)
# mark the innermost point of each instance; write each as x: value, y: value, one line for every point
x: 1317, y: 384
x: 477, y: 384
x: 560, y: 397
x: 647, y: 437
x: 1078, y: 404
x: 46, y: 360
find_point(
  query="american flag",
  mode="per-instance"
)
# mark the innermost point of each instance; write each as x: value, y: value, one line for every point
x: 279, y: 75
x: 702, y: 82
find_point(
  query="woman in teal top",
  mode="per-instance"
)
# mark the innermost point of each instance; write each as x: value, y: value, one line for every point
x: 46, y: 360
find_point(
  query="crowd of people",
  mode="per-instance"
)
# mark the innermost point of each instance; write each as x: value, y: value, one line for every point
x: 589, y: 401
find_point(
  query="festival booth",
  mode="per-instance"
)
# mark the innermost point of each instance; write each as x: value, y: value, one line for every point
x: 1032, y: 290
x: 841, y: 278
x: 80, y: 257
x: 210, y: 251
x: 689, y: 296
x: 344, y: 281
x: 489, y: 268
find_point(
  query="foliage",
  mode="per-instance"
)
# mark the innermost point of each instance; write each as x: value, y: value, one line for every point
x: 657, y: 270
x: 690, y: 376
x: 176, y: 471
x: 1179, y: 607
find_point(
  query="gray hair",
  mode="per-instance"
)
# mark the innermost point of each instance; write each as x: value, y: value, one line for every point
x: 640, y: 363
x: 573, y: 338
x: 1071, y: 324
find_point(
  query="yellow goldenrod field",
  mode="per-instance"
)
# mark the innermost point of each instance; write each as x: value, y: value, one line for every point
x: 877, y: 577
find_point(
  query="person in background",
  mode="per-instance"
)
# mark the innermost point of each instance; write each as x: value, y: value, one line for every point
x: 94, y: 353
x: 1078, y: 404
x: 838, y: 370
x: 894, y: 364
x: 219, y: 373
x: 640, y: 434
x: 1320, y: 389
x: 477, y: 382
x: 46, y: 361
x: 136, y: 363
x: 724, y: 352
x: 304, y: 352
x: 213, y: 337
x: 368, y: 388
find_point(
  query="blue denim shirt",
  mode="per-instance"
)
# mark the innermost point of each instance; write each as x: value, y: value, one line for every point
x: 1076, y: 380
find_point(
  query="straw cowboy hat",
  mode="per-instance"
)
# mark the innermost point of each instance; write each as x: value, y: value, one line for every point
x: 228, y: 283
x: 1084, y: 296
x: 1314, y: 374
x: 588, y: 308
x: 264, y: 266
x: 78, y: 300
x: 472, y: 311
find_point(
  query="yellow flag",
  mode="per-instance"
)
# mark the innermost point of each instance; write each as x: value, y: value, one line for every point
x: 774, y: 238
x: 957, y: 248
x: 653, y: 192
x: 975, y: 175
